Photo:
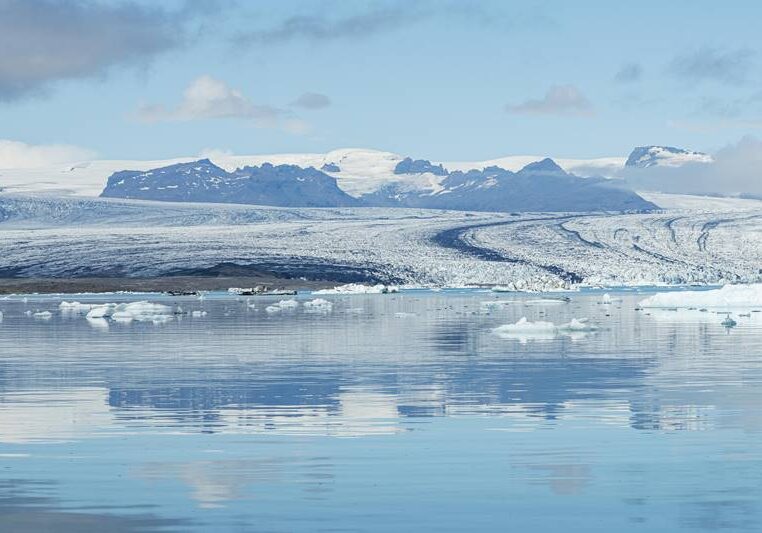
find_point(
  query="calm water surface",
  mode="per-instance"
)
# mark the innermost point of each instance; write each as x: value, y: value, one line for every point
x: 388, y: 413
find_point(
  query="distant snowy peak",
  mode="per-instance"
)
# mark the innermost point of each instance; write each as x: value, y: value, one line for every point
x: 541, y: 186
x: 545, y: 166
x: 669, y: 156
x: 203, y: 181
x: 419, y: 166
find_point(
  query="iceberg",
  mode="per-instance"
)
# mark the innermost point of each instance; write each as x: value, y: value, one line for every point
x: 140, y: 311
x: 282, y: 306
x: 318, y: 305
x: 74, y: 307
x: 359, y: 288
x: 525, y: 330
x: 736, y: 297
x: 101, y: 311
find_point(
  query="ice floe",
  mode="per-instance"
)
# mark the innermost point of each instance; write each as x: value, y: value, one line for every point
x: 318, y: 305
x: 74, y: 307
x: 282, y: 305
x: 358, y: 288
x: 735, y: 297
x: 524, y: 330
x: 101, y: 311
x: 142, y: 311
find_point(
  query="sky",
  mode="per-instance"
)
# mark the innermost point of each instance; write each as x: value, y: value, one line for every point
x: 437, y: 79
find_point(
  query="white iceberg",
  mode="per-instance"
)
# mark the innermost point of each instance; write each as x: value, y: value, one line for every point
x: 577, y: 324
x: 140, y: 311
x: 101, y: 311
x: 318, y: 305
x: 525, y: 326
x: 736, y: 297
x: 124, y: 317
x: 358, y: 288
x: 283, y: 305
x: 74, y: 307
x: 525, y: 330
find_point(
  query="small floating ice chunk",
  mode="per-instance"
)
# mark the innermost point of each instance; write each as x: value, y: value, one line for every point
x: 524, y: 326
x: 318, y: 305
x: 283, y: 305
x: 98, y: 323
x: 575, y: 324
x: 43, y: 315
x: 101, y: 311
x: 74, y: 307
x: 525, y: 330
x: 403, y: 314
x: 197, y: 314
x: 124, y: 317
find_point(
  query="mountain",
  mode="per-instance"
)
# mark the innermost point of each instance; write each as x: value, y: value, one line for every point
x: 650, y: 156
x: 539, y: 186
x: 203, y: 181
x: 419, y: 166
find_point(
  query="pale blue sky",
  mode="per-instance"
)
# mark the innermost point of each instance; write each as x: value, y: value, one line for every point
x: 444, y: 80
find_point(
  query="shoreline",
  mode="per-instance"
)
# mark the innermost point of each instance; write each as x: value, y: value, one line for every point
x: 157, y: 284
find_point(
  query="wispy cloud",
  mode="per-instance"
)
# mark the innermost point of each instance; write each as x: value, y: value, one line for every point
x: 730, y: 67
x: 560, y: 100
x: 312, y: 101
x: 388, y: 16
x: 631, y: 72
x: 319, y: 27
x: 44, y: 41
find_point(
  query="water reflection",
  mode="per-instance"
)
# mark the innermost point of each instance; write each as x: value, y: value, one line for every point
x: 419, y: 377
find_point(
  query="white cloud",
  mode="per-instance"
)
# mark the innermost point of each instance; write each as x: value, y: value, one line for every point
x: 15, y: 154
x: 560, y: 100
x: 209, y: 98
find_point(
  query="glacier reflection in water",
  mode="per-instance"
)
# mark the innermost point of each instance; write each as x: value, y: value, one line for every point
x: 380, y: 412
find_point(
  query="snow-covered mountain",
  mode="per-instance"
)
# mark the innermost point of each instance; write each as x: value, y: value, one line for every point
x: 358, y: 172
x: 539, y: 186
x: 669, y: 156
x: 203, y: 181
x: 419, y: 166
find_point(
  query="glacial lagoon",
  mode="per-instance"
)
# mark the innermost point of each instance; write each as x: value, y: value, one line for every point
x: 393, y: 412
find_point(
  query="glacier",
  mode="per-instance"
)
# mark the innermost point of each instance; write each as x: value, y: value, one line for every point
x: 50, y: 237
